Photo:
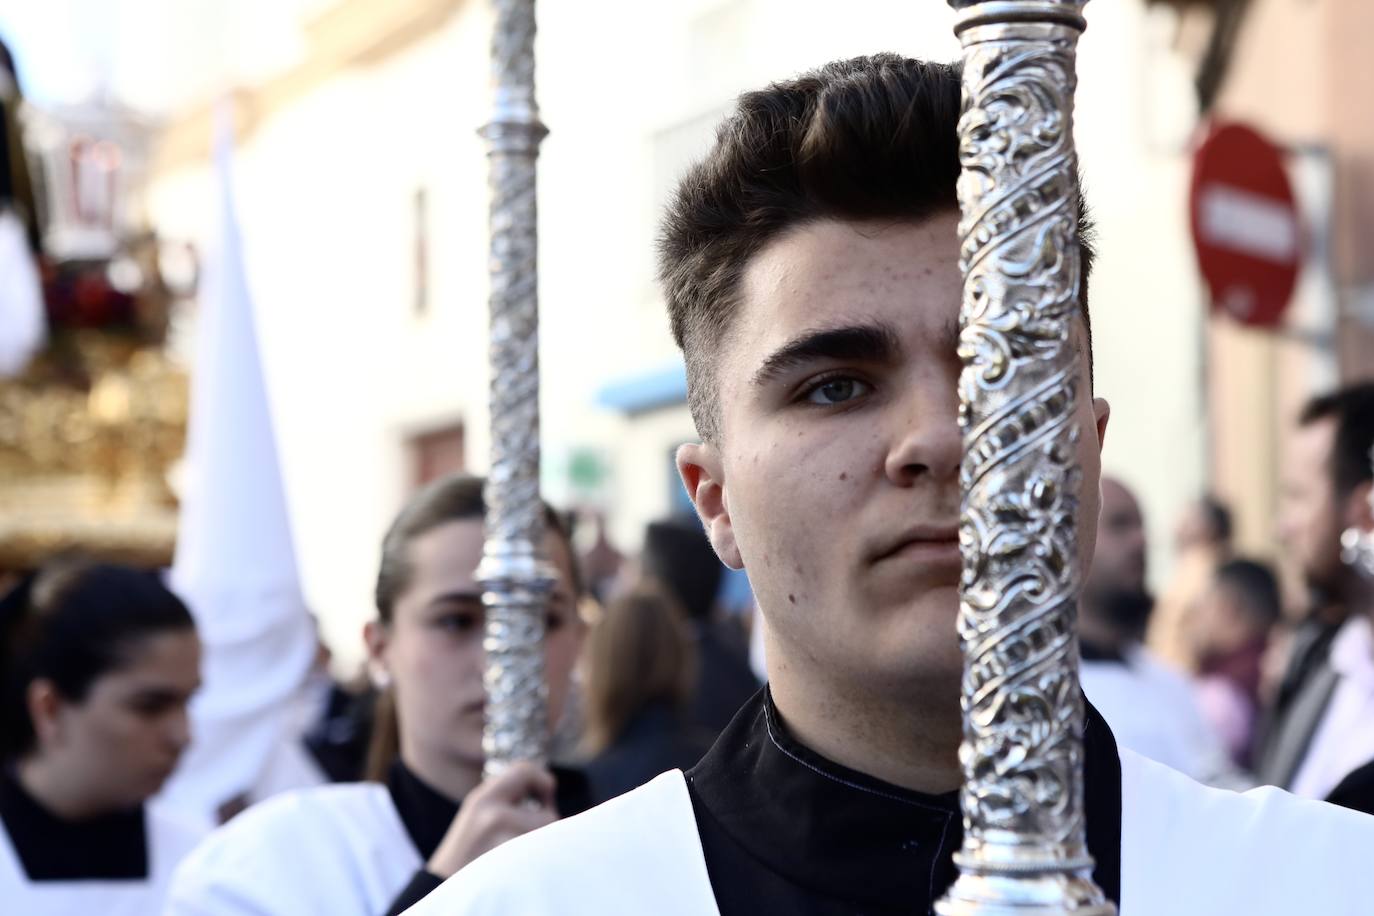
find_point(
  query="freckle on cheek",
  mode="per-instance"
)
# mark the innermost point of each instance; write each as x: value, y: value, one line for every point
x: 844, y: 475
x: 791, y: 599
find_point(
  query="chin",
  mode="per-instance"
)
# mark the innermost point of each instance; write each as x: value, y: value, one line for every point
x: 917, y: 644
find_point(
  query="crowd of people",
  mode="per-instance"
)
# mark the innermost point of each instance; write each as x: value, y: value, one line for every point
x: 810, y: 268
x: 101, y: 662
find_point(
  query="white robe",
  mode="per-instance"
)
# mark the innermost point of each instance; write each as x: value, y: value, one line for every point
x: 1154, y: 710
x: 1186, y: 850
x: 338, y: 850
x: 170, y: 837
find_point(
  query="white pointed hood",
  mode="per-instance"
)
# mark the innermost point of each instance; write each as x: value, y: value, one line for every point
x: 235, y: 564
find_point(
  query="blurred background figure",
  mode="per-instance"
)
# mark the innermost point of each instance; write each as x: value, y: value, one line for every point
x: 600, y: 562
x: 337, y: 726
x: 1202, y: 540
x: 640, y: 672
x: 377, y: 847
x: 1229, y: 636
x: 1321, y: 726
x: 23, y: 325
x: 1150, y: 706
x: 678, y: 558
x: 97, y: 665
x: 1205, y: 528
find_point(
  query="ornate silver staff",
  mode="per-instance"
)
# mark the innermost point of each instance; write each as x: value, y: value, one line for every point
x: 1025, y: 848
x: 514, y: 575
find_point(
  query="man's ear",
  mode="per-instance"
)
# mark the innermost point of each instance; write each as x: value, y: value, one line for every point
x: 699, y: 466
x: 45, y: 707
x: 1102, y: 412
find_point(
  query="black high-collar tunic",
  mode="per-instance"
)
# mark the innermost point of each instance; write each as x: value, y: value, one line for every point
x: 786, y: 831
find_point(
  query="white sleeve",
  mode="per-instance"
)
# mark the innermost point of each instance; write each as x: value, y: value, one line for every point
x: 22, y: 322
x: 217, y: 880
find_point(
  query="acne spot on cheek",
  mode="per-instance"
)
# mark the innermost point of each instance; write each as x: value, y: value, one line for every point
x: 844, y: 475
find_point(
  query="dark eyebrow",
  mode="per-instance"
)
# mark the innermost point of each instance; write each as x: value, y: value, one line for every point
x: 872, y: 343
x: 473, y: 597
x: 158, y: 694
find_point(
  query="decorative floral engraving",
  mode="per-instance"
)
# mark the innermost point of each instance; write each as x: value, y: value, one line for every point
x: 515, y: 578
x: 1024, y: 847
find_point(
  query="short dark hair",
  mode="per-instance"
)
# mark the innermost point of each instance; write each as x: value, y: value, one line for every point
x: 1352, y: 408
x: 455, y: 498
x: 678, y: 557
x: 1254, y: 583
x: 71, y: 623
x: 870, y: 138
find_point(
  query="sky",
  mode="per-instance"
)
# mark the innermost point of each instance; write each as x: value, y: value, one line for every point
x: 158, y: 56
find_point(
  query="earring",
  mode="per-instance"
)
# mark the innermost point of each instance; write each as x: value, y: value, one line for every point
x: 1357, y: 551
x: 379, y: 676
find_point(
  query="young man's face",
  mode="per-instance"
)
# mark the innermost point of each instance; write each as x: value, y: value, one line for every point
x: 835, y: 480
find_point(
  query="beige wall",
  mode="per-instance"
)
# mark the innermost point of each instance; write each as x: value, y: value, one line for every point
x: 1303, y: 73
x: 334, y: 154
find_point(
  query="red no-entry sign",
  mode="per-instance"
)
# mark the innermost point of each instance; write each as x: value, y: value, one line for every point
x: 1245, y: 224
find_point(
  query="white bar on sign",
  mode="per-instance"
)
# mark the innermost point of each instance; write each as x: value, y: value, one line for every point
x: 1249, y: 223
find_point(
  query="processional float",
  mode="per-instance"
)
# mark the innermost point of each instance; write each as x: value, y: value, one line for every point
x: 514, y: 574
x: 1025, y: 846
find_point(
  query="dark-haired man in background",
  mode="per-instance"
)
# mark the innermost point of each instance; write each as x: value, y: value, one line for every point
x: 810, y: 268
x: 1322, y: 724
x: 1151, y: 707
x: 678, y: 557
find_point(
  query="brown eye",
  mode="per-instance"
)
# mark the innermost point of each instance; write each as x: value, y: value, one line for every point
x: 459, y: 624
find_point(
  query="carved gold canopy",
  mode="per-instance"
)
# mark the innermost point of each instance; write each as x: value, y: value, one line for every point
x: 84, y: 460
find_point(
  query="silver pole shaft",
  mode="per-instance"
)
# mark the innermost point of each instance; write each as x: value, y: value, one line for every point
x: 513, y: 573
x: 1025, y: 848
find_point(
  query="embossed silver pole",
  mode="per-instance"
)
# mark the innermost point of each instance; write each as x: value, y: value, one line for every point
x: 1025, y: 848
x: 514, y: 575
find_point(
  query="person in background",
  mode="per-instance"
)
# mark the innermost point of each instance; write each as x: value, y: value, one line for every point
x: 1321, y: 724
x: 97, y: 665
x: 1202, y: 541
x: 1230, y: 636
x: 370, y: 848
x: 678, y: 556
x: 1150, y: 706
x: 600, y: 562
x: 638, y: 673
x: 1204, y: 527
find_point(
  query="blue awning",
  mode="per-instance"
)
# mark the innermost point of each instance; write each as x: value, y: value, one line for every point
x: 645, y: 391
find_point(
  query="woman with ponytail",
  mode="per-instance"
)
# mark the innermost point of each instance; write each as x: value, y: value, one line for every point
x: 369, y: 848
x: 97, y: 665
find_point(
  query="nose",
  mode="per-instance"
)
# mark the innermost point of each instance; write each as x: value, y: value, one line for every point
x: 926, y: 441
x: 179, y: 730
